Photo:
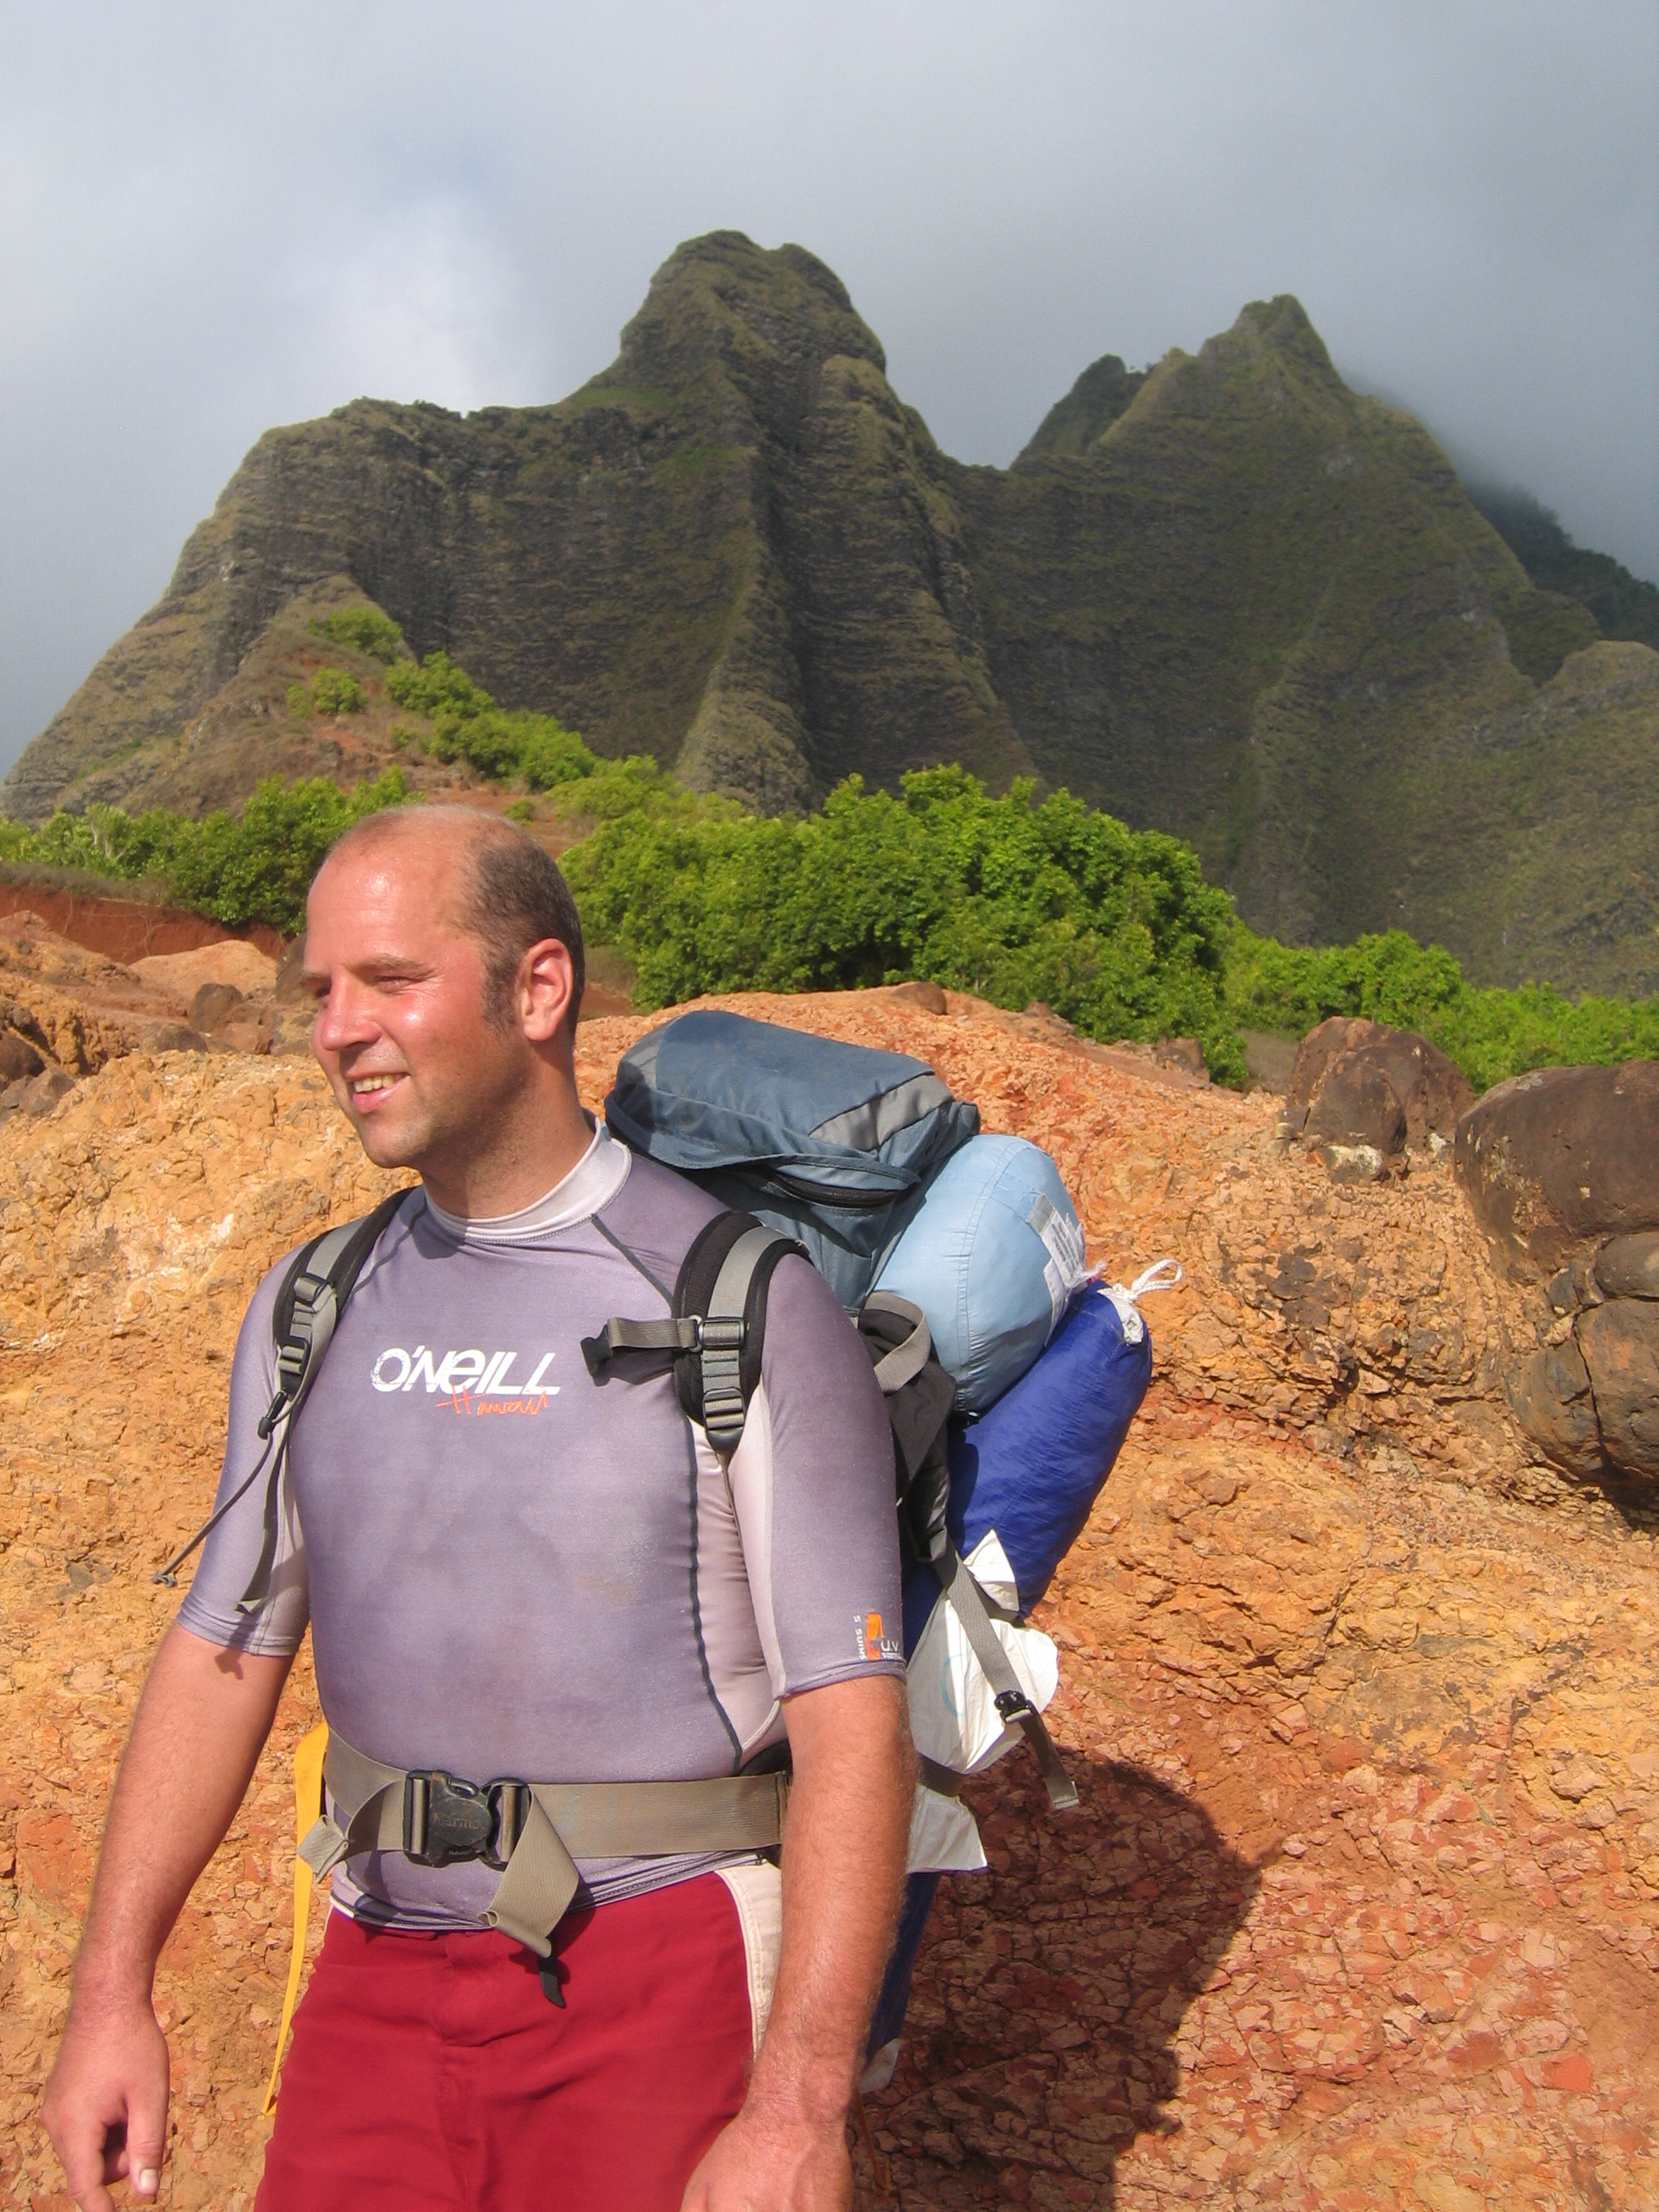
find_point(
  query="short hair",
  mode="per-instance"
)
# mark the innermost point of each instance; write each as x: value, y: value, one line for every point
x: 515, y: 893
x: 519, y: 897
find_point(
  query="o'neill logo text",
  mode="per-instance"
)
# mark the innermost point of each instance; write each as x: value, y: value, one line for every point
x: 475, y: 1382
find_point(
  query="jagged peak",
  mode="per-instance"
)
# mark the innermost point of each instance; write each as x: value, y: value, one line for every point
x: 1105, y: 391
x: 722, y: 288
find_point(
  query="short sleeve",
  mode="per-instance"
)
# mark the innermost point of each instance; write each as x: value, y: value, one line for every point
x: 813, y: 1492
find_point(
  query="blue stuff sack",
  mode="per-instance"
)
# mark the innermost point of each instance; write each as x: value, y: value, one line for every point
x: 1032, y: 1467
x: 830, y: 1142
x: 992, y: 1258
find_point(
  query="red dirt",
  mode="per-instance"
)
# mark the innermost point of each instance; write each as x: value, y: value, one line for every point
x: 127, y: 929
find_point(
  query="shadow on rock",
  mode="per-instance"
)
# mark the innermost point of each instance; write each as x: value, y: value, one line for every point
x: 1051, y: 1991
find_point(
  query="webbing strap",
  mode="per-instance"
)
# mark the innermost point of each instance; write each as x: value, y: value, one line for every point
x: 307, y: 1800
x: 619, y: 1335
x: 943, y: 1781
x: 963, y: 1595
x: 906, y: 1360
x: 566, y: 1821
x: 723, y: 1408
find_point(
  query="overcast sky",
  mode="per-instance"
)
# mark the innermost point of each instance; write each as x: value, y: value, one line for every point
x: 216, y: 218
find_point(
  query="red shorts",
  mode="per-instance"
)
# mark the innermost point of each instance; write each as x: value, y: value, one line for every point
x: 430, y: 2073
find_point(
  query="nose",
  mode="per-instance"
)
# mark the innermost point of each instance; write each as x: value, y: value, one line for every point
x: 345, y: 1017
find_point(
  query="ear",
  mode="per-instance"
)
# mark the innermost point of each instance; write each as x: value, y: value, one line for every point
x: 543, y: 989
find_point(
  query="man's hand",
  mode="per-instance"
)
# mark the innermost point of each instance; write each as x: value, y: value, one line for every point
x: 204, y: 1714
x: 106, y: 2104
x: 843, y: 1867
x: 763, y: 2166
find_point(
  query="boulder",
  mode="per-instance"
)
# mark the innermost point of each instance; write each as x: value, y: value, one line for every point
x: 1553, y: 1159
x: 18, y: 1058
x: 289, y: 984
x: 1185, y: 1053
x: 1550, y: 1396
x: 1362, y: 1093
x: 1619, y: 1344
x: 1628, y: 1267
x: 36, y: 1094
x: 214, y: 1002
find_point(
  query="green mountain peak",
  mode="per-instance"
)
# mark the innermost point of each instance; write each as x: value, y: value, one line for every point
x: 1227, y: 598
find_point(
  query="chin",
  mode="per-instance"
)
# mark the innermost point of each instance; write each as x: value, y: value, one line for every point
x: 386, y: 1147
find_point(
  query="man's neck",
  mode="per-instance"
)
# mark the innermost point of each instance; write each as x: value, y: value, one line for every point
x: 522, y: 1163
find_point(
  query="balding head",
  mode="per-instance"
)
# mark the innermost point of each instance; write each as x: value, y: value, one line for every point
x: 503, y: 889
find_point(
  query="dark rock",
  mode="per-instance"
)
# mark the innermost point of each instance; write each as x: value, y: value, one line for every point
x: 1628, y: 1267
x: 1181, y: 1052
x: 18, y: 1058
x: 1550, y: 1396
x: 290, y: 986
x: 212, y: 1004
x: 172, y: 1036
x: 1551, y: 1159
x: 1356, y: 1106
x: 1619, y: 1341
x: 38, y: 1094
x: 922, y: 993
x: 1271, y: 1060
x: 1430, y: 1090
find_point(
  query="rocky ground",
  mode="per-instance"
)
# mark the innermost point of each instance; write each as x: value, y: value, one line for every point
x: 1362, y: 1904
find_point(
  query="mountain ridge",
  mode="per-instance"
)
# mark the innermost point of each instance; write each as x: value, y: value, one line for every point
x: 1224, y: 597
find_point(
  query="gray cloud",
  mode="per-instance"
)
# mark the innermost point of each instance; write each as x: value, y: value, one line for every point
x: 212, y: 220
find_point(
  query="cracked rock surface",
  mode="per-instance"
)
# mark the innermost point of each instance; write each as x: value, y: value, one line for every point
x: 1361, y: 1905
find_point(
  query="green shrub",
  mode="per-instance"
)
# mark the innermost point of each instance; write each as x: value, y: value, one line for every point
x: 467, y: 724
x: 298, y: 701
x: 256, y: 867
x: 1015, y: 901
x: 334, y: 692
x: 365, y: 630
x: 1490, y: 1034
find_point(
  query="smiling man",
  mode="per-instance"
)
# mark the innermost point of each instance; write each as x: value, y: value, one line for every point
x: 511, y: 1615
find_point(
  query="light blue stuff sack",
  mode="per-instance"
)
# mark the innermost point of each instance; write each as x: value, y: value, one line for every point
x: 992, y: 1258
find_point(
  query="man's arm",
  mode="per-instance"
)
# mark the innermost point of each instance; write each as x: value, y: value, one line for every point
x: 843, y: 1870
x: 201, y: 1722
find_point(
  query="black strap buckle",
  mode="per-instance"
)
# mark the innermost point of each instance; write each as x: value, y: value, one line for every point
x: 448, y: 1822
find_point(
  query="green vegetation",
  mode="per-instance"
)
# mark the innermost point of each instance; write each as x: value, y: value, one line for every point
x: 1624, y: 605
x: 330, y: 691
x: 252, y: 868
x: 365, y: 630
x: 1012, y: 898
x: 467, y: 724
x: 1490, y: 1034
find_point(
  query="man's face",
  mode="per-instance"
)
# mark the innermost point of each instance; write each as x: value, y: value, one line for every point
x: 400, y: 1030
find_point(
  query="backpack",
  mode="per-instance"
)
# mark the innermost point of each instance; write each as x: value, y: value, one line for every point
x: 830, y: 1149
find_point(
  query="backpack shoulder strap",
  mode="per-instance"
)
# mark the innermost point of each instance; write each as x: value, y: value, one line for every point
x: 320, y: 1278
x: 716, y: 1325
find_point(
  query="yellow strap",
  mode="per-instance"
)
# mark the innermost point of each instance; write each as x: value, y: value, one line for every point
x: 307, y: 1804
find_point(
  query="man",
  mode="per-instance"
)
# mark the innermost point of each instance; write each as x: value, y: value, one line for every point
x: 512, y: 1571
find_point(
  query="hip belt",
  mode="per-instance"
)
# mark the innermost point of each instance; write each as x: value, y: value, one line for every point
x: 532, y: 1833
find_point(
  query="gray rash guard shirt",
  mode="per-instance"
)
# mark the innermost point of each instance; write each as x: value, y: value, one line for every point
x: 510, y: 1570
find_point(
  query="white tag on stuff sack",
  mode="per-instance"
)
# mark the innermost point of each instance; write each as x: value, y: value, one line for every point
x: 1064, y: 1270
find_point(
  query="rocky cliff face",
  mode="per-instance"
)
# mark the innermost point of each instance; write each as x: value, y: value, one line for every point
x: 1229, y: 599
x: 1361, y: 1905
